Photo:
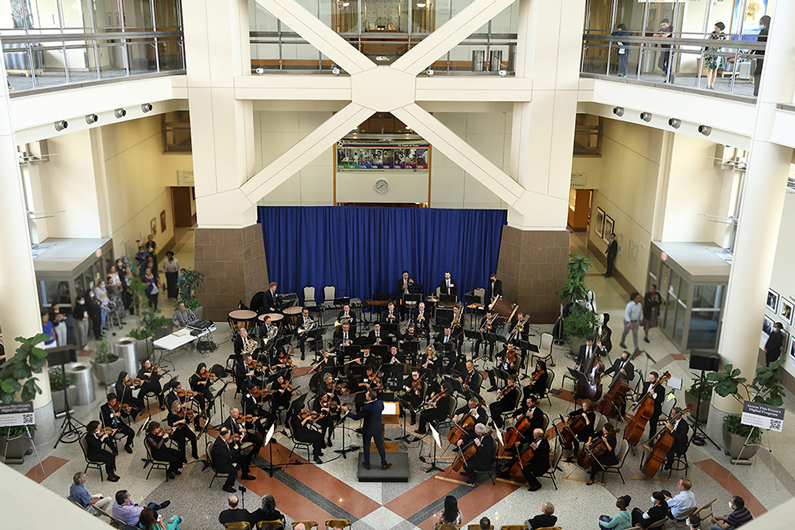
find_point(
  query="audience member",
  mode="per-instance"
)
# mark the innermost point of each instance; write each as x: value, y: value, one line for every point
x: 620, y: 521
x: 684, y: 500
x: 543, y: 520
x: 450, y: 514
x: 148, y: 520
x: 79, y: 494
x: 693, y: 522
x: 658, y: 511
x: 299, y: 526
x: 739, y: 516
x: 126, y: 510
x: 233, y: 514
x: 485, y: 524
x: 267, y: 512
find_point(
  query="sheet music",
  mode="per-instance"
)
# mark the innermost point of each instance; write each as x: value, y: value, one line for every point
x: 435, y: 435
x: 390, y: 408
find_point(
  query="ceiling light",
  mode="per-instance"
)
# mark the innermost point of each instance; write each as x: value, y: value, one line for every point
x: 645, y: 116
x: 335, y: 71
x: 91, y: 119
x: 260, y: 71
x: 421, y: 4
x: 705, y: 130
x: 120, y: 113
x: 503, y: 73
x: 146, y: 107
x: 673, y: 122
x: 618, y: 111
x: 61, y: 125
x: 430, y: 72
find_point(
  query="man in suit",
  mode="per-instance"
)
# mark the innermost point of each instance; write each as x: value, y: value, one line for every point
x: 470, y: 380
x: 448, y: 285
x: 304, y: 322
x: 494, y: 288
x: 657, y: 393
x: 539, y: 464
x: 679, y: 429
x: 611, y: 252
x: 587, y: 351
x: 774, y: 343
x: 622, y: 367
x: 483, y: 458
x: 489, y: 335
x: 472, y: 407
x: 420, y: 318
x: 227, y: 460
x: 372, y: 429
x: 376, y: 337
x: 271, y: 302
x: 404, y: 286
x: 113, y: 419
x: 531, y: 410
x: 347, y: 315
x: 247, y: 431
x: 343, y: 336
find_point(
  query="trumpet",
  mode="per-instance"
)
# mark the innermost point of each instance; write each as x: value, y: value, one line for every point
x: 311, y: 326
x: 343, y: 320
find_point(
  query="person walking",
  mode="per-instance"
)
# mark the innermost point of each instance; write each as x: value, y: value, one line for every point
x: 714, y: 62
x: 651, y: 310
x: 632, y: 314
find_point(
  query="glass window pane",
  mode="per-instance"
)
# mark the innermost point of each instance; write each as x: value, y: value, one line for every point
x: 703, y: 332
x: 708, y: 296
x: 654, y: 268
x: 53, y: 291
x: 106, y: 15
x: 684, y: 287
x: 679, y: 325
x: 137, y: 15
x: 167, y: 15
x: 80, y: 285
x: 673, y: 286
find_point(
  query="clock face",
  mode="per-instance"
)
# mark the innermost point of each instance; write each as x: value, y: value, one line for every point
x: 381, y: 186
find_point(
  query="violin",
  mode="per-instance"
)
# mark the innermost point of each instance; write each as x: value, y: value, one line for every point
x: 536, y: 375
x: 254, y: 365
x: 501, y: 393
x: 327, y: 402
x: 248, y: 418
x: 185, y: 394
x: 467, y: 452
x: 643, y: 411
x: 187, y: 413
x: 663, y: 444
x: 122, y: 407
x: 132, y: 382
x: 435, y: 399
x: 313, y: 415
x: 110, y: 431
x: 596, y: 448
x: 256, y: 392
x: 287, y: 387
x: 160, y: 431
x: 210, y: 376
x: 510, y: 355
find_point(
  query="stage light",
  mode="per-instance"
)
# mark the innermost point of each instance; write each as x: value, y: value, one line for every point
x: 91, y: 119
x: 146, y: 107
x: 120, y: 113
x: 61, y: 125
x: 618, y: 111
x: 705, y: 130
x: 673, y: 122
x: 645, y: 116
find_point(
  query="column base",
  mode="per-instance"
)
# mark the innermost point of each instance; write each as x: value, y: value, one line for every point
x: 233, y: 263
x: 532, y: 267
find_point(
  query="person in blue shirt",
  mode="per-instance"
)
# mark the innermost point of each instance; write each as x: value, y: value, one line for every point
x: 79, y: 494
x: 48, y: 329
x: 141, y: 257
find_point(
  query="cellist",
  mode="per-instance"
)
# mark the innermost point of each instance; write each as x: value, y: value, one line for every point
x: 587, y: 432
x: 472, y: 407
x: 483, y: 458
x: 622, y: 367
x: 535, y: 414
x: 658, y: 395
x: 679, y: 429
x: 538, y: 464
x: 608, y: 458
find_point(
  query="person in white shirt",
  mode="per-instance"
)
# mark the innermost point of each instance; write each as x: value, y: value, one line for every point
x: 684, y: 500
x: 632, y: 316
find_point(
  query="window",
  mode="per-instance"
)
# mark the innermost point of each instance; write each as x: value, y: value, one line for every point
x: 176, y: 132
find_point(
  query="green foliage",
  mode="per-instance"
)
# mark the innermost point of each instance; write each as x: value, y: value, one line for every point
x: 13, y: 432
x: 574, y: 289
x: 138, y: 290
x: 733, y: 425
x: 190, y: 281
x: 581, y: 322
x: 16, y: 374
x: 104, y: 356
x: 58, y: 381
x: 148, y: 322
x: 701, y: 387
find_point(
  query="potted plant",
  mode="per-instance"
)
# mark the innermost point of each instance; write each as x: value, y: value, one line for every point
x: 106, y: 365
x: 579, y: 320
x: 188, y: 283
x: 701, y: 387
x: 766, y: 388
x: 60, y: 385
x: 17, y: 384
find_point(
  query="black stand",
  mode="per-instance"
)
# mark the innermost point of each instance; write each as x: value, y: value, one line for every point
x: 699, y: 436
x: 343, y: 451
x: 433, y: 467
x: 271, y: 467
x: 405, y: 436
x: 70, y: 432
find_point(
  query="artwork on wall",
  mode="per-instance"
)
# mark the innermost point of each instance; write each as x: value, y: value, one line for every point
x: 792, y: 348
x: 786, y: 310
x: 772, y: 301
x: 382, y: 156
x: 599, y: 223
x: 767, y: 326
x: 610, y: 227
x: 153, y: 226
x: 163, y: 222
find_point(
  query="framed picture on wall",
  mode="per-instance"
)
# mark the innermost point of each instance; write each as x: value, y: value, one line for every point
x: 599, y: 223
x: 786, y: 310
x: 792, y: 348
x: 772, y: 301
x: 162, y: 221
x: 153, y: 226
x: 610, y: 227
x: 767, y: 326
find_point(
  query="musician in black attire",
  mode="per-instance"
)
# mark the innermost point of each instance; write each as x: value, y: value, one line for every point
x: 114, y: 420
x: 304, y: 322
x: 343, y: 336
x: 473, y: 407
x: 680, y: 429
x: 447, y: 337
x: 302, y: 433
x: 483, y: 458
x: 200, y: 383
x: 94, y: 440
x: 182, y: 433
x: 587, y: 352
x: 531, y: 410
x: 244, y: 376
x: 271, y: 302
x: 516, y: 335
x: 227, y: 459
x: 493, y: 289
x: 420, y: 318
x: 507, y: 361
x: 438, y: 408
x: 539, y: 464
x: 370, y: 380
x: 327, y: 406
x: 506, y: 400
x: 470, y: 380
x: 247, y: 432
x: 411, y: 334
x: 124, y: 394
x: 657, y: 393
x: 538, y: 381
x: 405, y: 286
x: 587, y: 432
x: 173, y: 396
x: 150, y: 377
x: 394, y: 356
x: 391, y: 316
x: 622, y: 367
x: 251, y: 405
x: 156, y: 438
x: 488, y: 335
x: 414, y: 389
x: 240, y: 340
x: 347, y: 314
x: 448, y: 285
x: 608, y: 458
x: 280, y: 394
x: 376, y: 336
x: 657, y: 512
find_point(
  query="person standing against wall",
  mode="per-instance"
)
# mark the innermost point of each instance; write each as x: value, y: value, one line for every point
x: 651, y: 310
x: 611, y: 252
x: 623, y: 50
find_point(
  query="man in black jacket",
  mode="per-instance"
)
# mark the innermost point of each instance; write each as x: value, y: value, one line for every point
x: 679, y: 429
x: 233, y: 514
x: 587, y: 351
x: 247, y: 431
x: 94, y: 314
x: 539, y: 464
x: 483, y: 458
x: 113, y: 419
x: 372, y: 429
x: 611, y: 252
x: 774, y: 343
x: 271, y: 301
x: 448, y: 285
x: 622, y: 367
x: 657, y: 393
x: 472, y: 407
x: 227, y: 460
x: 535, y: 414
x: 494, y: 288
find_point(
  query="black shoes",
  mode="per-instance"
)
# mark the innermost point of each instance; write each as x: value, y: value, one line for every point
x: 165, y: 505
x: 318, y: 460
x: 248, y: 476
x: 128, y: 449
x: 646, y: 339
x: 170, y: 475
x: 534, y: 488
x: 230, y: 489
x: 492, y: 389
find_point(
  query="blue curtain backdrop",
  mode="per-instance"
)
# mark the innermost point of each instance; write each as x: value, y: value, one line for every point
x: 362, y: 251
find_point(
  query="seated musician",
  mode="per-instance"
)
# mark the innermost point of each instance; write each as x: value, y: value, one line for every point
x: 657, y: 512
x: 324, y: 363
x: 113, y: 419
x: 506, y: 400
x: 539, y: 462
x: 486, y: 328
x: 516, y: 334
x: 366, y: 359
x: 507, y: 362
x: 253, y: 402
x: 282, y: 362
x: 438, y: 408
x: 248, y: 433
x: 432, y: 361
x: 411, y: 334
x: 242, y: 340
x: 414, y: 389
x: 394, y: 356
x: 304, y: 323
x: 124, y: 391
x: 473, y: 408
x: 150, y: 378
x: 538, y: 381
x: 303, y: 433
x: 156, y: 438
x: 445, y: 337
x: 327, y: 406
x: 483, y: 458
x: 587, y: 432
x: 244, y: 376
x: 608, y: 458
x: 182, y: 434
x: 391, y: 316
x: 420, y: 318
x: 346, y: 315
x: 200, y: 383
x: 622, y: 368
x: 343, y: 337
x: 267, y: 333
x: 281, y: 394
x: 376, y: 337
x: 470, y: 380
x: 679, y: 429
x: 95, y: 437
x: 530, y: 410
x: 182, y: 316
x: 587, y: 351
x: 173, y: 396
x: 227, y: 459
x: 370, y: 380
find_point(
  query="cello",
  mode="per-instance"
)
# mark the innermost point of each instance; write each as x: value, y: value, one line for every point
x: 460, y: 429
x: 466, y: 452
x: 596, y: 449
x: 644, y: 410
x: 571, y: 428
x: 518, y: 431
x: 665, y: 441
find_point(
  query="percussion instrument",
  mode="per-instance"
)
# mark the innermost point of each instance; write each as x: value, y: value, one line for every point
x: 431, y: 299
x: 241, y: 318
x: 276, y: 318
x: 504, y: 310
x: 291, y: 311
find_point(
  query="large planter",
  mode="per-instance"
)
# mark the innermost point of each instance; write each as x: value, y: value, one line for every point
x: 142, y: 349
x: 734, y: 444
x: 703, y: 412
x: 574, y: 344
x: 107, y: 374
x: 17, y: 447
x: 59, y: 399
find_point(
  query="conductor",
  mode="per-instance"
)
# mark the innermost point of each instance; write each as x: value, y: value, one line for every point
x: 371, y: 412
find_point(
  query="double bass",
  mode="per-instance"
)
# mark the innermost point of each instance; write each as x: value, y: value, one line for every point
x: 467, y: 452
x: 643, y: 411
x: 664, y: 443
x: 593, y: 370
x: 612, y: 399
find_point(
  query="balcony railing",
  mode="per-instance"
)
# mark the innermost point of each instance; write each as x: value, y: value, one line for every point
x: 682, y: 61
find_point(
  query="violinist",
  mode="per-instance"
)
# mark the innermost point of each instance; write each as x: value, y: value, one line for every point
x: 156, y: 438
x: 530, y: 410
x: 111, y: 413
x: 343, y: 337
x: 473, y: 408
x: 483, y: 458
x: 281, y: 394
x: 586, y: 353
x: 200, y: 383
x: 95, y: 437
x: 437, y: 409
x: 507, y: 362
x: 370, y: 380
x: 414, y: 389
x: 506, y: 400
x: 253, y: 401
x: 327, y: 407
x: 622, y: 368
x: 587, y: 432
x: 376, y: 337
x: 538, y: 463
x: 150, y: 377
x: 246, y: 431
x: 174, y: 396
x: 303, y: 433
x: 470, y: 380
x: 178, y: 420
x: 538, y: 380
x: 124, y: 391
x: 608, y: 458
x: 657, y: 393
x: 281, y: 362
x: 329, y: 385
x: 486, y: 328
x: 227, y: 459
x: 679, y: 429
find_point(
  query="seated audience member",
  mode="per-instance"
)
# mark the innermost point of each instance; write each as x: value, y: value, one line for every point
x: 182, y: 316
x: 267, y: 512
x: 485, y: 524
x: 79, y: 494
x: 684, y: 500
x: 126, y: 510
x: 620, y: 521
x: 450, y: 514
x: 739, y: 516
x: 233, y: 514
x: 693, y: 522
x: 545, y: 519
x: 658, y: 511
x: 149, y: 521
x: 299, y: 526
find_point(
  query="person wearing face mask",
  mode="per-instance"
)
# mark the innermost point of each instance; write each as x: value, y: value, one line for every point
x: 80, y: 316
x: 94, y: 314
x: 739, y: 516
x: 773, y: 344
x: 101, y: 295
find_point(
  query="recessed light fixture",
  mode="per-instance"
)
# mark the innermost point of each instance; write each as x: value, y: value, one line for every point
x: 91, y: 119
x: 61, y: 125
x: 146, y: 107
x: 618, y: 111
x: 120, y: 113
x: 430, y: 72
x: 335, y: 71
x: 675, y: 123
x: 705, y: 130
x: 645, y: 116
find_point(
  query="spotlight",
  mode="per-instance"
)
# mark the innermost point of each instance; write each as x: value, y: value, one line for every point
x: 61, y: 125
x: 120, y: 113
x: 618, y: 111
x: 645, y: 116
x: 430, y: 72
x: 146, y: 107
x: 705, y: 130
x: 335, y: 71
x: 91, y: 119
x: 673, y: 122
x: 503, y: 73
x: 260, y: 71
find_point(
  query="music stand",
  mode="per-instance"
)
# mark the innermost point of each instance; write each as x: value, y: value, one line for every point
x: 268, y: 440
x: 393, y: 372
x: 526, y: 347
x: 378, y: 350
x: 435, y: 436
x: 70, y: 433
x: 343, y: 451
x: 410, y: 348
x: 346, y: 300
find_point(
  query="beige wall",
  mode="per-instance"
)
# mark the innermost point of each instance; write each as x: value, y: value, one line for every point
x: 783, y: 281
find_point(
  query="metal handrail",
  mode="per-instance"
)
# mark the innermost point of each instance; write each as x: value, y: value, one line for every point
x: 60, y: 37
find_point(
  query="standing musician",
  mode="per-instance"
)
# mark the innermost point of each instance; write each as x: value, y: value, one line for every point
x: 150, y: 377
x: 506, y: 400
x: 538, y: 380
x: 437, y: 409
x: 124, y: 391
x: 178, y: 419
x: 486, y: 328
x: 376, y: 337
x: 390, y: 317
x: 271, y: 302
x: 473, y: 408
x: 200, y: 383
x: 281, y: 394
x: 156, y: 438
x: 414, y: 388
x: 470, y: 380
x: 493, y: 289
x: 305, y: 324
x: 301, y: 432
x: 586, y: 353
x: 507, y: 362
x: 405, y: 286
x: 657, y: 393
x: 248, y: 433
x: 327, y: 406
x: 227, y: 459
x: 483, y: 458
x: 622, y: 367
x: 679, y: 429
x: 448, y: 285
x: 343, y: 336
x: 346, y: 316
x: 112, y: 415
x: 420, y: 318
x: 608, y: 458
x: 95, y: 437
x: 368, y: 382
x: 531, y: 410
x: 587, y: 432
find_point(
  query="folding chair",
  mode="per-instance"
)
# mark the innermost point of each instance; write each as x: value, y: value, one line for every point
x: 680, y: 522
x: 276, y: 524
x: 212, y: 464
x: 544, y: 350
x: 477, y: 527
x: 238, y: 525
x: 557, y: 455
x: 621, y: 455
x: 440, y: 526
x: 308, y: 524
x: 156, y: 464
x: 298, y: 443
x: 342, y: 523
